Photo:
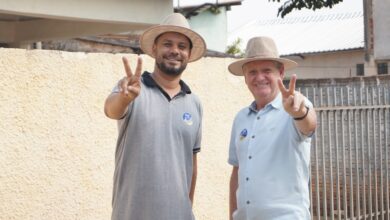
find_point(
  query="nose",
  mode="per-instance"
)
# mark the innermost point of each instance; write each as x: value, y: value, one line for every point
x: 174, y: 49
x: 260, y: 76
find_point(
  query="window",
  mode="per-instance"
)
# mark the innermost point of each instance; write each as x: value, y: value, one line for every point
x: 382, y: 68
x: 360, y: 69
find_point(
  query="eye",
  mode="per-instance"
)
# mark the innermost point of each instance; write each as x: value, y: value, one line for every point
x: 182, y: 46
x: 252, y: 72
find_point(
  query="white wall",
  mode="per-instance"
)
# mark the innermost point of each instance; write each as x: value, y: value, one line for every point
x: 213, y: 27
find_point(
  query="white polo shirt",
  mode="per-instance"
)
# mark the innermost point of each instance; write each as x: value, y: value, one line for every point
x: 273, y: 158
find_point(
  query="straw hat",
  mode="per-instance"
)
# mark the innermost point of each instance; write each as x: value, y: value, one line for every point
x: 260, y: 48
x: 175, y: 22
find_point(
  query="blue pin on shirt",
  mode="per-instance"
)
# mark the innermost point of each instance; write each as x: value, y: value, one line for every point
x: 243, y: 134
x: 187, y: 118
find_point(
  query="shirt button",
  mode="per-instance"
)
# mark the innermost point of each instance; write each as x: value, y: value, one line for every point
x: 248, y: 202
x: 250, y: 157
x: 247, y: 179
x: 253, y: 136
x: 258, y: 117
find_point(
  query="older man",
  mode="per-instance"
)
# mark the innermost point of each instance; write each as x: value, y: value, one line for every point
x: 270, y: 140
x: 159, y: 128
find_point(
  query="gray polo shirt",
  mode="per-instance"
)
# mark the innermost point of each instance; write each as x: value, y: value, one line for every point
x: 153, y: 160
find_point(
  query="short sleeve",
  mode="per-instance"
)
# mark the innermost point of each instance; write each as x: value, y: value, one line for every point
x: 233, y: 159
x: 198, y: 141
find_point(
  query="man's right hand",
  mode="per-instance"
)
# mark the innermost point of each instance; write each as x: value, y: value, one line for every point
x: 116, y: 104
x: 130, y: 85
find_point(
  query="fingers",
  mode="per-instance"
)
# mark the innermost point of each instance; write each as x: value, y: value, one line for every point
x: 138, y: 69
x: 133, y: 89
x: 128, y: 90
x: 282, y: 89
x: 296, y: 96
x: 123, y: 85
x: 293, y: 103
x: 126, y: 64
x: 129, y: 85
x: 291, y: 87
x: 297, y: 101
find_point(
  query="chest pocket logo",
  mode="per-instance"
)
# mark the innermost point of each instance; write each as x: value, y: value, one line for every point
x: 187, y: 118
x: 243, y: 134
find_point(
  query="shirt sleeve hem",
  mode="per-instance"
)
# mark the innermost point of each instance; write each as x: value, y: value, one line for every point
x: 233, y: 162
x: 196, y: 150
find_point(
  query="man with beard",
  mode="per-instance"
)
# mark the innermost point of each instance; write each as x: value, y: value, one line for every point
x: 159, y: 122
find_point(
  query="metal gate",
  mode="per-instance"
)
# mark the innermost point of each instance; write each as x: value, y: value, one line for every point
x: 350, y: 152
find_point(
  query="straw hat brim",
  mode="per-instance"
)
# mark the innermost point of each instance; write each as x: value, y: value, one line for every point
x: 148, y: 37
x: 236, y: 67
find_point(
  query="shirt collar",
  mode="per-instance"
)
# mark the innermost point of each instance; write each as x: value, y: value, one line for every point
x: 276, y: 104
x: 149, y: 81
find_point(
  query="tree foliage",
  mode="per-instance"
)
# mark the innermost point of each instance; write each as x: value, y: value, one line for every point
x: 289, y: 5
x: 234, y: 48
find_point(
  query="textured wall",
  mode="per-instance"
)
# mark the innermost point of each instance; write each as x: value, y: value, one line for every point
x: 57, y: 147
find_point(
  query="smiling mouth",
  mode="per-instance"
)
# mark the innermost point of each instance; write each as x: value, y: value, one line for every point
x: 171, y: 61
x: 260, y: 85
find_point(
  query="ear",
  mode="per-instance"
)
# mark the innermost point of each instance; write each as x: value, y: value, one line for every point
x: 281, y: 71
x: 245, y: 78
x: 154, y: 50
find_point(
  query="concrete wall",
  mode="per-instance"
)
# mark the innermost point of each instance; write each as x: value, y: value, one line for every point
x: 57, y: 147
x: 340, y: 64
x: 213, y: 27
x: 381, y: 21
x: 45, y: 19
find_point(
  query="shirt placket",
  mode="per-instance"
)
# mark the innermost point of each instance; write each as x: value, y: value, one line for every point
x: 253, y: 145
x: 248, y: 177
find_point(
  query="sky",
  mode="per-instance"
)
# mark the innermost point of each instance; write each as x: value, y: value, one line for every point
x: 250, y: 10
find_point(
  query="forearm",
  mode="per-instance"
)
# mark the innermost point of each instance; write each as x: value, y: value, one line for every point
x: 193, y: 181
x: 116, y: 105
x: 232, y: 192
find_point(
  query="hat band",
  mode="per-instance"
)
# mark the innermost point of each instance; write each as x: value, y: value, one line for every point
x: 263, y: 56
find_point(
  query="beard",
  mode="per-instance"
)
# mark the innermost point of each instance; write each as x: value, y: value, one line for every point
x: 172, y: 71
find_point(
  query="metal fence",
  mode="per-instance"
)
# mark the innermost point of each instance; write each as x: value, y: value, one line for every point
x: 350, y: 151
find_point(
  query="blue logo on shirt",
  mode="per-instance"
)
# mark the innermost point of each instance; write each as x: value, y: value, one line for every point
x: 187, y: 118
x: 243, y: 134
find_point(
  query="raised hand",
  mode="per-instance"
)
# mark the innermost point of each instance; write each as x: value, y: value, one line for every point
x: 293, y: 101
x: 130, y: 85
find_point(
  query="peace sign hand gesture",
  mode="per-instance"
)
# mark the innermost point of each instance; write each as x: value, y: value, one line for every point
x: 130, y: 85
x: 293, y: 101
